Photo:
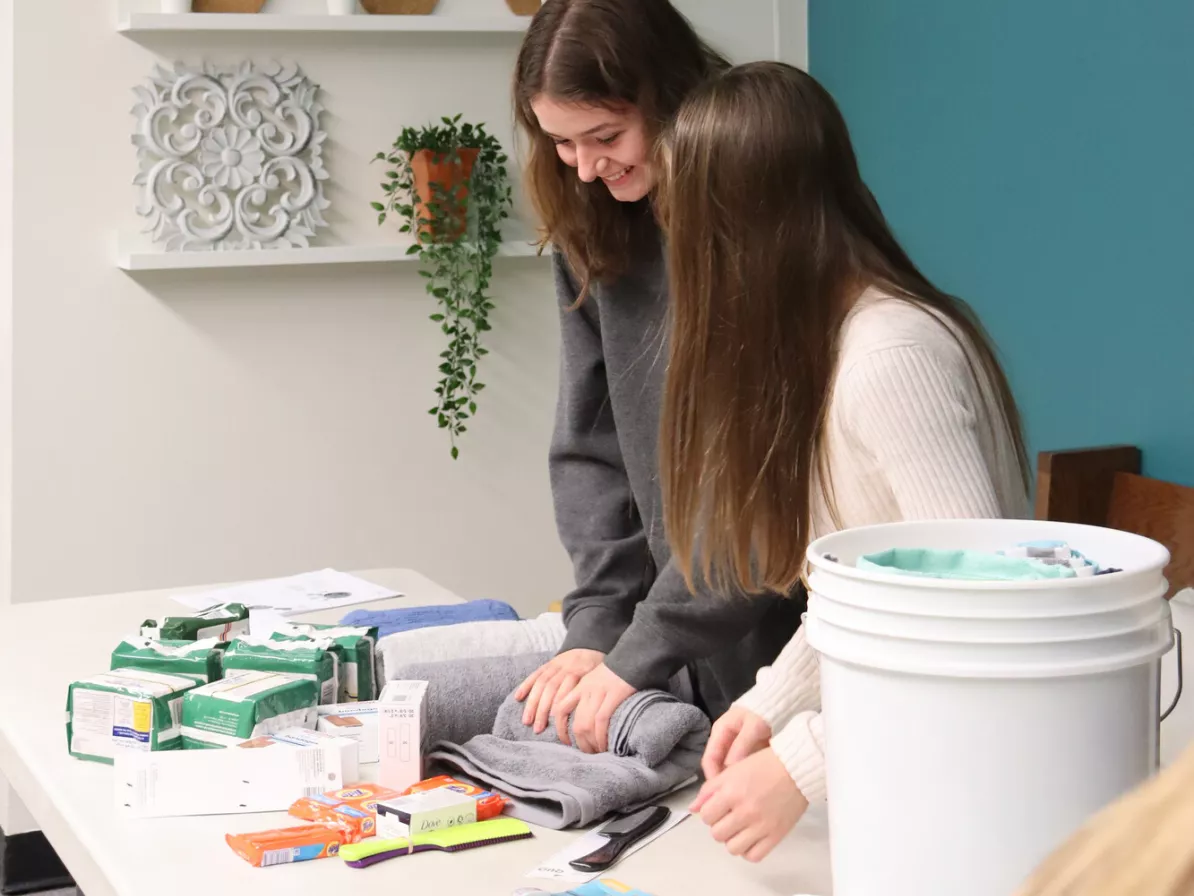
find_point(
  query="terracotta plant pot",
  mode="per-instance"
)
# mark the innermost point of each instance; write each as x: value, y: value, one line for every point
x: 453, y: 176
x: 227, y: 5
x: 399, y: 7
x: 524, y: 7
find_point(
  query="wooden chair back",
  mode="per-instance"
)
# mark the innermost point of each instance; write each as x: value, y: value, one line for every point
x: 1103, y: 487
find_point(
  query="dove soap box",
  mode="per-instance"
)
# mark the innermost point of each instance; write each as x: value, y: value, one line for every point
x: 425, y: 812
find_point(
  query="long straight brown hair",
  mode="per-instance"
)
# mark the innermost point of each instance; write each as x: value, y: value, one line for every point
x: 611, y: 53
x: 772, y: 236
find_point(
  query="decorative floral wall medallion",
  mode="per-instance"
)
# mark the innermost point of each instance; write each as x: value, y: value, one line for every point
x: 230, y: 158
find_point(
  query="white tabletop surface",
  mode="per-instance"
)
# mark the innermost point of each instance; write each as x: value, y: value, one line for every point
x: 49, y: 644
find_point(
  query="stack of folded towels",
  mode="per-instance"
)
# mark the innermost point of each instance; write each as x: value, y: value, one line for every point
x: 656, y: 739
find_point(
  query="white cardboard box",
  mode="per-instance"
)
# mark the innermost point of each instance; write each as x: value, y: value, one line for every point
x: 422, y: 813
x: 267, y: 778
x: 401, y: 721
x: 355, y: 720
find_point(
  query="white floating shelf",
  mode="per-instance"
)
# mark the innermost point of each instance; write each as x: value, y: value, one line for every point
x: 258, y: 258
x: 139, y: 22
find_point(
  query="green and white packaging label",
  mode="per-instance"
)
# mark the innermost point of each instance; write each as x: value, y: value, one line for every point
x: 356, y: 646
x: 316, y: 660
x: 244, y: 704
x: 199, y: 660
x: 124, y: 710
x: 223, y: 623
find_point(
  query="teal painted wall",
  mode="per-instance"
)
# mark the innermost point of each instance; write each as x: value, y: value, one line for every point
x: 1036, y: 157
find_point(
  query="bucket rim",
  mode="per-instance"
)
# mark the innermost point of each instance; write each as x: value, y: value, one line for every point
x: 817, y: 559
x: 1015, y: 627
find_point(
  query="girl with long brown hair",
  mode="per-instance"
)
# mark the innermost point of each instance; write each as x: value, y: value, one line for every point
x: 817, y: 380
x: 596, y: 82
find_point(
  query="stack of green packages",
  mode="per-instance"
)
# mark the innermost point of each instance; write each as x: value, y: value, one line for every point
x: 199, y: 660
x: 124, y: 710
x: 355, y: 646
x: 314, y: 660
x: 245, y: 704
x: 223, y: 622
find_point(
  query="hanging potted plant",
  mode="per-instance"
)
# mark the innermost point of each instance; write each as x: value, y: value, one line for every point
x: 447, y: 184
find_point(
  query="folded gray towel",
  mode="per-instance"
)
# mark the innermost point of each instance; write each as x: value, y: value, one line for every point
x: 464, y: 696
x: 468, y: 640
x: 655, y: 742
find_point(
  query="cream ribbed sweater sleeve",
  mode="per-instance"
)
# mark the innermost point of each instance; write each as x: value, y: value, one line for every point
x: 788, y: 686
x: 914, y: 411
x: 800, y: 746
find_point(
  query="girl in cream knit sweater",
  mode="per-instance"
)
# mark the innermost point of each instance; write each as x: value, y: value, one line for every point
x: 816, y: 381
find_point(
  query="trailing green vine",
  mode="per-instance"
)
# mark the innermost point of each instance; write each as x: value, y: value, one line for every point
x: 458, y: 233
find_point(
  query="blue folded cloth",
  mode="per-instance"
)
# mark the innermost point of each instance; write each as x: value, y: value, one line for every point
x: 409, y: 618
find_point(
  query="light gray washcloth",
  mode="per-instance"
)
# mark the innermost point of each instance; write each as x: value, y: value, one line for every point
x: 471, y: 640
x: 468, y: 640
x: 655, y: 741
x: 464, y: 696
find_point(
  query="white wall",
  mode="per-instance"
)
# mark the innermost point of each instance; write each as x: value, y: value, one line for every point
x: 791, y: 32
x: 196, y: 427
x: 6, y: 186
x: 8, y: 814
x: 199, y: 427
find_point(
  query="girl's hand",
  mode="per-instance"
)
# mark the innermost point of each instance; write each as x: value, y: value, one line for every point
x: 737, y: 734
x: 594, y: 701
x: 552, y: 681
x: 751, y: 806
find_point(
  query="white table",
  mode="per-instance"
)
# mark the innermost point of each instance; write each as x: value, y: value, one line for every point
x: 49, y: 644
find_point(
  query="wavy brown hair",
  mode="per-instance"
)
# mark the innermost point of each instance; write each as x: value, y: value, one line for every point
x: 772, y: 236
x: 610, y: 53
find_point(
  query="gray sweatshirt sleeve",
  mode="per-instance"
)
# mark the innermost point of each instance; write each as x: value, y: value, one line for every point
x: 598, y: 522
x: 674, y: 627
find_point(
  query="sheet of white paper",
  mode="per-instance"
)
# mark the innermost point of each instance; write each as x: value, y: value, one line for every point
x: 557, y: 868
x: 264, y: 622
x: 305, y: 593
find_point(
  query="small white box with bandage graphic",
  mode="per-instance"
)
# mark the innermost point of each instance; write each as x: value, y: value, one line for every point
x: 401, y: 722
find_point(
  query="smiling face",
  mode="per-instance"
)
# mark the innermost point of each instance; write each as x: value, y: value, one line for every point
x: 600, y: 143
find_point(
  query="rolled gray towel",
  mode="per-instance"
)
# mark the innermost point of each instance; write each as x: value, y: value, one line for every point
x: 655, y: 740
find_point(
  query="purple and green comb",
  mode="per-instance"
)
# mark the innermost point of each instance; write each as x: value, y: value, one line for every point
x: 454, y: 839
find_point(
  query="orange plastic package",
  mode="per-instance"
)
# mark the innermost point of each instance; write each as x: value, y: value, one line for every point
x: 285, y: 845
x: 354, y: 807
x: 489, y: 804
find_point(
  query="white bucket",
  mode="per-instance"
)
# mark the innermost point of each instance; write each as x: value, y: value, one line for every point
x: 971, y: 726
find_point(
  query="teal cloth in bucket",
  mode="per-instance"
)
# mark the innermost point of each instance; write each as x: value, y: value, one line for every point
x: 974, y: 566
